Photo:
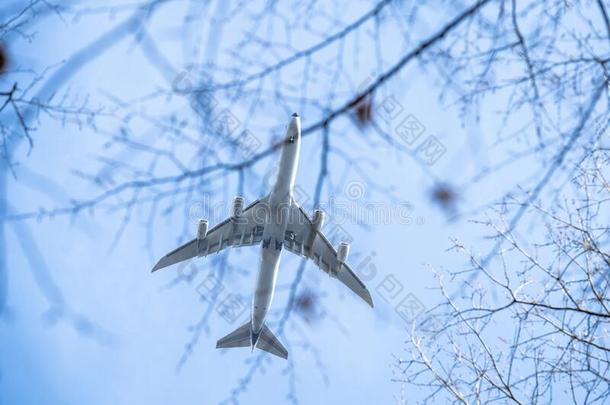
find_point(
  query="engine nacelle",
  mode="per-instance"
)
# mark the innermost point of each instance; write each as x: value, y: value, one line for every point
x: 318, y: 220
x: 342, y: 252
x: 202, y: 229
x: 238, y: 207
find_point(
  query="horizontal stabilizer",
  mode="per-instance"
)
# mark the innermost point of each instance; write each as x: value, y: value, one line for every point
x: 240, y: 337
x: 269, y: 343
x: 265, y: 340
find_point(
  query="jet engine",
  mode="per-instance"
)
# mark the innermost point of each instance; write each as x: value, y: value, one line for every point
x: 318, y: 220
x: 202, y: 229
x: 238, y: 206
x: 342, y: 252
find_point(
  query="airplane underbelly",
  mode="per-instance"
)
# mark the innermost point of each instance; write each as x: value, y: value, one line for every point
x: 272, y: 244
x: 265, y: 286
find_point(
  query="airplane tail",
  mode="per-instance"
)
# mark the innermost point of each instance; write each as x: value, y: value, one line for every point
x: 269, y: 343
x: 242, y: 337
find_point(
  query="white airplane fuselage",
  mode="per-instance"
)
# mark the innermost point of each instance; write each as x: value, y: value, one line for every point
x: 275, y: 227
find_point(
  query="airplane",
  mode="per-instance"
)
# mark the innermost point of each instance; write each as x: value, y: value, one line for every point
x: 275, y: 222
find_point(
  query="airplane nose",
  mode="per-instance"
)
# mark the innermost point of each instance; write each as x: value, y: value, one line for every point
x: 294, y: 128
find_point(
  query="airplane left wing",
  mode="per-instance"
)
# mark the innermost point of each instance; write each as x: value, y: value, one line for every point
x: 244, y: 230
x: 304, y: 240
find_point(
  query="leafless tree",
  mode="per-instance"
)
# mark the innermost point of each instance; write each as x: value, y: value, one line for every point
x: 527, y: 322
x: 535, y: 328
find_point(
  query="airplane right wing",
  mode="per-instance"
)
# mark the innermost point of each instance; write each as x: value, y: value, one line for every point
x: 245, y: 230
x: 302, y: 239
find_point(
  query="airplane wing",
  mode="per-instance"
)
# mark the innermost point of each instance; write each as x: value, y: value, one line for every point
x: 303, y: 240
x: 246, y: 230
